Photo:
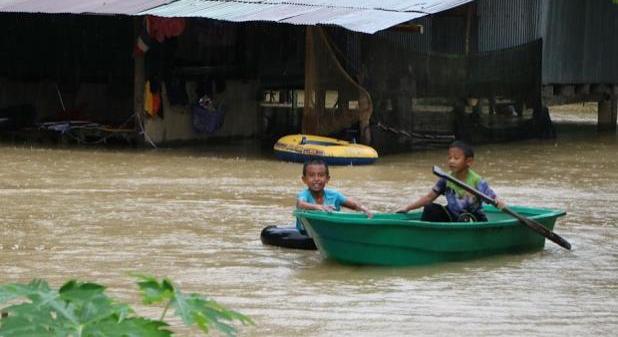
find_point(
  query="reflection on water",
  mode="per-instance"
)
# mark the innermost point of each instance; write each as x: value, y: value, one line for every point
x: 195, y: 215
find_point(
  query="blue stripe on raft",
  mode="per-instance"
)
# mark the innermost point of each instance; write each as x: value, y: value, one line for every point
x: 301, y: 158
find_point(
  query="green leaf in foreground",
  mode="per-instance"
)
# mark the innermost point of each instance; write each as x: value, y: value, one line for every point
x: 154, y: 291
x: 193, y: 309
x: 204, y: 313
x: 83, y: 309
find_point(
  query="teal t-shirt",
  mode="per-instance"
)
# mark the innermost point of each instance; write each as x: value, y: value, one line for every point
x: 331, y: 198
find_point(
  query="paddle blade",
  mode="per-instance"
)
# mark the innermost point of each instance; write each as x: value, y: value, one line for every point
x: 438, y: 171
x: 539, y: 228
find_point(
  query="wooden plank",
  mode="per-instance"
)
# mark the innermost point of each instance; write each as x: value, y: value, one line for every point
x: 547, y: 91
x: 607, y: 113
x: 582, y: 89
x: 600, y: 89
x: 566, y: 90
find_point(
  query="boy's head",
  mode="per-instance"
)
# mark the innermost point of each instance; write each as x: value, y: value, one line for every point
x: 460, y: 156
x: 464, y: 147
x: 315, y: 174
x: 316, y: 162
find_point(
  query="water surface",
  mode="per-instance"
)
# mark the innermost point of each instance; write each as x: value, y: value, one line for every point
x: 195, y: 216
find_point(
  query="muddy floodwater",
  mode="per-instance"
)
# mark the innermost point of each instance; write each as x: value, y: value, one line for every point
x: 195, y: 215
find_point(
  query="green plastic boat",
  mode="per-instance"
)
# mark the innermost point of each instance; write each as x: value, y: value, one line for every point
x: 403, y: 240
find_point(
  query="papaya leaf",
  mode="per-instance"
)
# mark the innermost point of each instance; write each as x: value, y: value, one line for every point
x: 27, y: 319
x: 90, y: 302
x: 82, y: 309
x: 153, y: 291
x: 12, y: 291
x: 59, y: 313
x: 195, y: 309
x: 130, y: 327
x: 124, y: 310
x: 12, y: 326
x: 40, y: 295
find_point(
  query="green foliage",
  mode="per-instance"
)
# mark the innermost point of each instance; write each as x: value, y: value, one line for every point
x: 193, y: 309
x: 153, y: 291
x: 84, y: 310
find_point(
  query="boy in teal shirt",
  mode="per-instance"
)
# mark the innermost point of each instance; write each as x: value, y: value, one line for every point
x: 461, y: 205
x: 317, y: 197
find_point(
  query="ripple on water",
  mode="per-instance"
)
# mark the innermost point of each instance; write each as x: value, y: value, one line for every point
x: 196, y: 218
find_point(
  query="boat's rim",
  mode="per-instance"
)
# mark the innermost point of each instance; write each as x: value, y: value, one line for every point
x: 359, y: 218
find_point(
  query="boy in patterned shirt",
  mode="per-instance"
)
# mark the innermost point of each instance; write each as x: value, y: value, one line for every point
x: 462, y: 206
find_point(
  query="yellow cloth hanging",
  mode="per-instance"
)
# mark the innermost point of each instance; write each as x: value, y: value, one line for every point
x: 148, y: 101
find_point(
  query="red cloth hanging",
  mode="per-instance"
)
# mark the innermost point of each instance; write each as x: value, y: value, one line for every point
x: 158, y: 29
x: 164, y: 28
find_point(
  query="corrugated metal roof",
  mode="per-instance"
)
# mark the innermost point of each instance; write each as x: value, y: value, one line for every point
x: 128, y: 7
x: 367, y: 16
x: 356, y: 19
x: 359, y: 20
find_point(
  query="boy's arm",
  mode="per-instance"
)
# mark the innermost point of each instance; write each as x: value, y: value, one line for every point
x: 315, y: 207
x: 355, y: 205
x: 500, y: 203
x: 420, y: 202
x: 485, y: 189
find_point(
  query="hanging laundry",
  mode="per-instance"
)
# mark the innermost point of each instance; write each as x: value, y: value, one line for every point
x: 143, y: 44
x: 152, y: 100
x: 207, y: 117
x: 148, y: 100
x: 157, y: 29
x: 164, y: 28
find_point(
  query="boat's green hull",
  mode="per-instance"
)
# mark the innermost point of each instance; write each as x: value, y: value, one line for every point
x: 402, y: 239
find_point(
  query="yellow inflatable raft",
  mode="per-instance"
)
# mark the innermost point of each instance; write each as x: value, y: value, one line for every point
x: 300, y: 148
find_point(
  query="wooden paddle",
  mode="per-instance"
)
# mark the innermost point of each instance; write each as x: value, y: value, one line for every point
x: 534, y: 225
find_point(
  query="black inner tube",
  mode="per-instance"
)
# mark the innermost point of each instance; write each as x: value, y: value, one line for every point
x: 287, y: 237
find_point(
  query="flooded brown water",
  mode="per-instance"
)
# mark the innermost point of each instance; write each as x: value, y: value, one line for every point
x: 195, y: 215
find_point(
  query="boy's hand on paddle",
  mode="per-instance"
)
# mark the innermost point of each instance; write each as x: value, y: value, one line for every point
x: 500, y: 204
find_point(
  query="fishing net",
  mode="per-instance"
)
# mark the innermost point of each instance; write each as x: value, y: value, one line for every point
x: 400, y: 93
x: 333, y: 99
x: 425, y: 98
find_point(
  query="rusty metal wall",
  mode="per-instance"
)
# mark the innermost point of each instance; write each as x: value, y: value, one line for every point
x: 507, y: 23
x: 580, y: 37
x: 580, y: 41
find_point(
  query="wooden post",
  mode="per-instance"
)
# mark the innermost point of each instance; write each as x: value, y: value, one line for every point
x: 138, y: 77
x: 309, y: 120
x: 607, y: 114
x: 468, y: 29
